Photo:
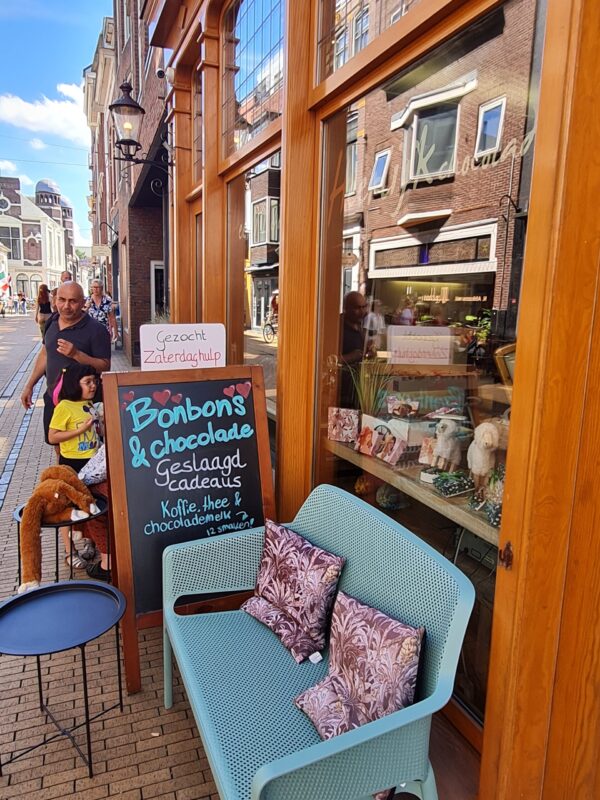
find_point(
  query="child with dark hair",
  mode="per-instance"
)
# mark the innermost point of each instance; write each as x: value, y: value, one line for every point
x: 72, y: 426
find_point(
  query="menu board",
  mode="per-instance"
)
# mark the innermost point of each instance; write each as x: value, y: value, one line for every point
x: 188, y: 459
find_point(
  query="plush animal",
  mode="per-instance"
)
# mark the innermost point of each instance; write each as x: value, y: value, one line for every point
x: 446, y: 450
x: 481, y: 455
x: 59, y: 497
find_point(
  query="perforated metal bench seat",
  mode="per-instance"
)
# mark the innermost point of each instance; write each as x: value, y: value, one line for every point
x: 241, y: 681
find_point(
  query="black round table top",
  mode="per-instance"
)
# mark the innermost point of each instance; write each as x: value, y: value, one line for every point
x: 101, y: 502
x: 58, y: 616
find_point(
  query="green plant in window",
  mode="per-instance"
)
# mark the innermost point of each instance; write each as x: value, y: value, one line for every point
x: 370, y: 379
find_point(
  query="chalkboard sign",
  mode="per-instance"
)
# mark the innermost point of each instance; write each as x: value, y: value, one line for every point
x: 189, y: 458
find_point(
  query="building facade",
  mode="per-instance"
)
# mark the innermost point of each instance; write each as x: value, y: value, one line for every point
x: 428, y: 154
x: 38, y: 233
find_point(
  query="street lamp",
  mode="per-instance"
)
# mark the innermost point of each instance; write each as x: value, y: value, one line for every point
x: 127, y: 115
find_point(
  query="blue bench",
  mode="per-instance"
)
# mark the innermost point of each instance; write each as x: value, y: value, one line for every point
x: 241, y: 681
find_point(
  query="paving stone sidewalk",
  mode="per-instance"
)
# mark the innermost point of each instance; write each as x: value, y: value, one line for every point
x: 145, y: 752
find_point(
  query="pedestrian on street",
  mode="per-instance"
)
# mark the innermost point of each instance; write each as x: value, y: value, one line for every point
x: 43, y: 309
x: 15, y: 303
x: 100, y: 307
x: 71, y: 336
x: 65, y: 276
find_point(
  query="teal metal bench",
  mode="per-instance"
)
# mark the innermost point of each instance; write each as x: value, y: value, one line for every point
x: 241, y: 681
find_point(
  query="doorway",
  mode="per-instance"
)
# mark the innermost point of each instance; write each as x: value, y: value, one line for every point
x: 157, y: 289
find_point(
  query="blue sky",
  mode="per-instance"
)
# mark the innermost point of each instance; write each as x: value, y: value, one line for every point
x: 45, y: 46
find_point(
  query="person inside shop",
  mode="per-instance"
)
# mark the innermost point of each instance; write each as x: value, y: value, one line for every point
x: 374, y: 324
x: 355, y: 344
x: 405, y: 313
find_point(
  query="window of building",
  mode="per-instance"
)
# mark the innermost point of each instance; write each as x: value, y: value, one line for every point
x: 351, y: 152
x: 259, y: 222
x: 35, y: 280
x: 252, y: 43
x: 489, y: 127
x: 346, y: 26
x: 273, y: 219
x: 433, y: 141
x: 340, y: 52
x: 126, y: 21
x: 11, y: 238
x: 361, y: 30
x: 378, y: 180
x: 197, y: 126
x: 23, y: 283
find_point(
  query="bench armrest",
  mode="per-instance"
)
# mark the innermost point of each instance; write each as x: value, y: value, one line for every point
x: 226, y: 563
x: 382, y: 754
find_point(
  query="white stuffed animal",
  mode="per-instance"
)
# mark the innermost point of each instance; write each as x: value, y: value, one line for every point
x: 481, y: 455
x: 446, y: 451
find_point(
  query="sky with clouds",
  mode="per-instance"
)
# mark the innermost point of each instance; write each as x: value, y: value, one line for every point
x: 46, y: 44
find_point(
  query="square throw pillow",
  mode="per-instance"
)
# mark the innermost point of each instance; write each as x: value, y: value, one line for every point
x: 295, y: 590
x: 373, y: 665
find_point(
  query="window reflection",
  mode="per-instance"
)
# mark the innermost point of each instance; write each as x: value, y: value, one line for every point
x: 252, y: 40
x: 426, y: 197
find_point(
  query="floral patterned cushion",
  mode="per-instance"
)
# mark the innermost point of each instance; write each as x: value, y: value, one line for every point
x: 373, y: 664
x: 295, y: 590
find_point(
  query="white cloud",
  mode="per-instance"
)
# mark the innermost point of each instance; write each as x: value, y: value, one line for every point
x: 80, y: 239
x: 25, y: 180
x: 59, y: 117
x: 37, y: 144
x: 7, y: 166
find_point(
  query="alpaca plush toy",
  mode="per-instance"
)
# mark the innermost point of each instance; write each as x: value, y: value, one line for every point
x: 446, y: 451
x: 481, y: 455
x: 59, y: 497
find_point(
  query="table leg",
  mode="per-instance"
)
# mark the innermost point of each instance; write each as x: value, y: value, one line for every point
x: 87, y: 710
x: 40, y: 690
x: 119, y: 669
x: 56, y: 538
x: 18, y: 554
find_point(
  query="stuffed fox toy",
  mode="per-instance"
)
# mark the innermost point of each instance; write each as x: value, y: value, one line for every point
x: 59, y: 497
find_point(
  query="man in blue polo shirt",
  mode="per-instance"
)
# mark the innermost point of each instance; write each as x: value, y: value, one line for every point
x: 71, y: 335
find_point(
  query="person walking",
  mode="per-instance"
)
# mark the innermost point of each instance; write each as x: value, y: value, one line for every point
x: 43, y: 309
x: 100, y: 306
x: 65, y: 276
x: 71, y: 336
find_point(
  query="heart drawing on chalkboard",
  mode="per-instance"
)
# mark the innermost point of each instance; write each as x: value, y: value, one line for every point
x: 229, y: 390
x: 162, y: 397
x: 244, y: 388
x: 128, y: 396
x: 176, y: 398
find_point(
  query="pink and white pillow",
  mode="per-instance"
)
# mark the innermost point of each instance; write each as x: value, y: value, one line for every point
x: 295, y: 590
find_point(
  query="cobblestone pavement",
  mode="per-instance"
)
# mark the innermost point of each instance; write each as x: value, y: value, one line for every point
x: 145, y: 752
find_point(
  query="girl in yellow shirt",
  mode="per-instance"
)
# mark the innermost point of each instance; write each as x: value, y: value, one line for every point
x: 73, y: 425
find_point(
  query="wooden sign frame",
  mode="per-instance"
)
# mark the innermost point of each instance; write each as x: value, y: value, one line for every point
x: 132, y: 622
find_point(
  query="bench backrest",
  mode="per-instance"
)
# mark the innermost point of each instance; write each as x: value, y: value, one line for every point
x: 389, y: 568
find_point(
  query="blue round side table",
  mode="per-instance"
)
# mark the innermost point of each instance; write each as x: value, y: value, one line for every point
x: 57, y: 617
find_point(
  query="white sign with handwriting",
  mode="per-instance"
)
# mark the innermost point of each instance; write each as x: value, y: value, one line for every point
x: 186, y: 346
x: 413, y: 344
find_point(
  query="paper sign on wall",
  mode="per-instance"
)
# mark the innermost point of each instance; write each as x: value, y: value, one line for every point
x: 186, y: 346
x: 410, y: 344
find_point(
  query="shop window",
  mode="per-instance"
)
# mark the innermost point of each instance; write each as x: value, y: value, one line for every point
x: 433, y: 142
x: 489, y: 127
x: 419, y: 295
x: 11, y: 238
x: 197, y: 126
x: 252, y: 44
x: 378, y: 180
